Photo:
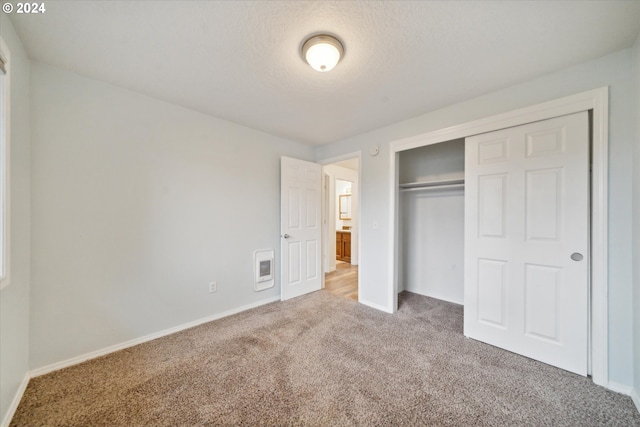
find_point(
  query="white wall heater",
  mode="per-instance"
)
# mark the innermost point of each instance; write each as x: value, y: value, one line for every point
x: 264, y: 272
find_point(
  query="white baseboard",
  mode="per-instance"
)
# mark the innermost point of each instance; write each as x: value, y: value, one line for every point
x: 620, y: 388
x: 438, y: 297
x: 374, y: 305
x: 16, y: 401
x: 117, y: 347
x: 635, y: 396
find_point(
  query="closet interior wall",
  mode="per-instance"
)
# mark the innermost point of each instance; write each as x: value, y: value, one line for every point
x: 431, y: 249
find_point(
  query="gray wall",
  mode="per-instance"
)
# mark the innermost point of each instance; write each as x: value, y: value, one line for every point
x: 614, y: 70
x: 636, y: 226
x: 137, y: 205
x: 14, y: 298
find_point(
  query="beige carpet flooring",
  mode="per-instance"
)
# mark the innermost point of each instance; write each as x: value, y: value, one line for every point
x: 321, y: 360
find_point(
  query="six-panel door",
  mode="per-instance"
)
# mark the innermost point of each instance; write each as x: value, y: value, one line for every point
x: 300, y: 225
x: 526, y: 240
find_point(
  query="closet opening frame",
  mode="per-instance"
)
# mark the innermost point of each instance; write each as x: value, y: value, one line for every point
x: 597, y: 102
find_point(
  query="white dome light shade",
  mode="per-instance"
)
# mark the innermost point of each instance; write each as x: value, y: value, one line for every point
x: 322, y: 52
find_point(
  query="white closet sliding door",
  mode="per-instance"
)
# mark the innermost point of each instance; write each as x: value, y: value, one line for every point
x: 526, y: 240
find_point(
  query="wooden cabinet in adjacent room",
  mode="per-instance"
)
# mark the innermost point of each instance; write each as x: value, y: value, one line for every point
x: 343, y: 246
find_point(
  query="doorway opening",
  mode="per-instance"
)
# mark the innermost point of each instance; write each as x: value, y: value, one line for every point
x: 340, y: 187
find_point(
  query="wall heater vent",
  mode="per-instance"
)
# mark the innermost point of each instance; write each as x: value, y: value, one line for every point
x: 264, y: 270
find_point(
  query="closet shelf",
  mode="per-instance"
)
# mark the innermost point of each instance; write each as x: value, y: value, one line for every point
x: 428, y: 185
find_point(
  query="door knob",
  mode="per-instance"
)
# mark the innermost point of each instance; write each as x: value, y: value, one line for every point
x: 286, y: 236
x: 576, y: 256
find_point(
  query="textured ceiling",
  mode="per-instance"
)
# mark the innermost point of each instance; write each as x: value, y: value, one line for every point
x: 240, y: 60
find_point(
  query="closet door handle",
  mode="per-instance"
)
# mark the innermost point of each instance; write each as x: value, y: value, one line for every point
x: 286, y: 236
x: 577, y: 256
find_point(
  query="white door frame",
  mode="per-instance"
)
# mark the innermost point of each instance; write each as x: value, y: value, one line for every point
x: 596, y: 100
x: 324, y: 162
x: 326, y: 194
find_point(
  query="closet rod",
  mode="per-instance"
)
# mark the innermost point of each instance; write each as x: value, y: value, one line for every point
x: 432, y: 183
x: 433, y: 187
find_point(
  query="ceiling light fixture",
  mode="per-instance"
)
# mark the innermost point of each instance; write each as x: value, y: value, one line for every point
x: 322, y: 52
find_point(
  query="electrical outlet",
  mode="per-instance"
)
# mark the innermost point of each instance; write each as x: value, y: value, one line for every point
x: 213, y: 287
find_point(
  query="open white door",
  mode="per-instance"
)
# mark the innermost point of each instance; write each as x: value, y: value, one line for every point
x: 300, y: 227
x: 526, y: 240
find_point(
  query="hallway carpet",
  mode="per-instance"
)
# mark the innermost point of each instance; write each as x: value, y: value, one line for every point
x: 321, y: 360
